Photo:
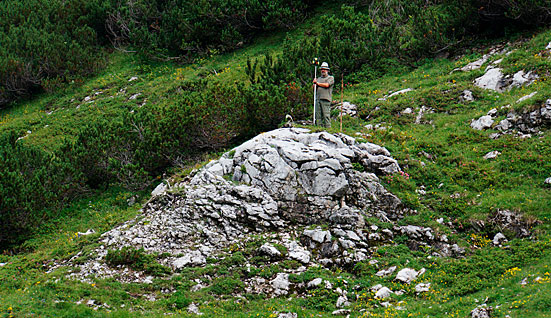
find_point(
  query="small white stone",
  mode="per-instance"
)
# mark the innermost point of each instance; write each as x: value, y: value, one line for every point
x: 315, y: 282
x: 523, y: 98
x: 499, y: 238
x: 492, y: 155
x: 492, y: 112
x: 269, y: 250
x: 281, y: 284
x: 134, y: 96
x: 376, y: 287
x: 383, y: 293
x: 342, y: 301
x: 483, y: 122
x: 193, y: 309
x: 407, y: 275
x: 403, y: 91
x: 422, y: 287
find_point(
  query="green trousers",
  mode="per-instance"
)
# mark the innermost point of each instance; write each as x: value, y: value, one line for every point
x: 323, y: 112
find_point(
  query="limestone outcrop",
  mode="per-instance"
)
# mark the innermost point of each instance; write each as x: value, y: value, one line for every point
x: 307, y: 194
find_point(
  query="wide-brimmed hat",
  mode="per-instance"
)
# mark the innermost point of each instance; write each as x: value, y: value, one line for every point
x: 324, y: 66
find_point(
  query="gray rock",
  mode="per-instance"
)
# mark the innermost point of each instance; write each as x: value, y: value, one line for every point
x: 521, y: 79
x: 280, y: 284
x: 383, y: 293
x: 422, y: 287
x: 90, y: 231
x: 482, y: 312
x: 523, y: 98
x: 483, y: 122
x: 510, y: 220
x: 416, y: 232
x: 386, y: 272
x: 314, y: 283
x: 493, y: 79
x: 499, y: 238
x: 287, y: 315
x: 341, y: 312
x: 194, y: 258
x: 407, y: 275
x: 349, y: 109
x: 403, y: 91
x: 318, y: 235
x: 375, y: 288
x: 466, y: 96
x: 342, y: 301
x: 476, y: 64
x: 193, y: 309
x: 269, y: 250
x: 161, y: 188
x: 407, y: 111
x: 504, y: 125
x: 299, y: 253
x: 548, y: 47
x: 282, y: 181
x: 524, y: 281
x: 492, y: 155
x: 548, y: 180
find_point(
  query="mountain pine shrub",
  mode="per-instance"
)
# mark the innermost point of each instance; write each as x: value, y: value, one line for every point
x: 34, y: 185
x: 44, y: 44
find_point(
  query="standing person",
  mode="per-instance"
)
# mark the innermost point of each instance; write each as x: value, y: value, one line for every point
x: 324, y: 92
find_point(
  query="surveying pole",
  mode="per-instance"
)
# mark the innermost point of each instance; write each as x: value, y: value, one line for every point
x: 315, y: 62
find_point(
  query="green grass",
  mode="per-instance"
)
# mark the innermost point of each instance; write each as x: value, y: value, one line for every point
x: 460, y: 186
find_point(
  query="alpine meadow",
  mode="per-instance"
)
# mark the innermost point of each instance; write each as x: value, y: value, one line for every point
x: 161, y: 158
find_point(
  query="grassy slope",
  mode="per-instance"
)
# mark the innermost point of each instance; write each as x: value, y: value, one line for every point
x: 513, y: 180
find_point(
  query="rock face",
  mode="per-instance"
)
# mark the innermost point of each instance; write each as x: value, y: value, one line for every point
x: 493, y: 79
x: 528, y: 122
x: 305, y: 196
x: 348, y: 109
x: 279, y: 181
x: 482, y: 123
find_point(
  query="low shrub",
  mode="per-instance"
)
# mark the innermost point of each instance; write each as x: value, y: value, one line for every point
x: 136, y: 259
x: 34, y: 185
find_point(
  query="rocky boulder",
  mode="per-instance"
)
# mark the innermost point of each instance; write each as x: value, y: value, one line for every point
x: 280, y: 181
x: 493, y: 79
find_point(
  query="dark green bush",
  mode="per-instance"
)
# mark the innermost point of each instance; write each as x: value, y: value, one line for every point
x: 136, y: 259
x: 133, y: 148
x: 179, y: 300
x: 183, y: 27
x: 226, y: 285
x: 378, y: 37
x: 527, y: 12
x: 44, y: 44
x: 33, y: 186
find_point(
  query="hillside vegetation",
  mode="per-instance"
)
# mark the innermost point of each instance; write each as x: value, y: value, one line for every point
x: 84, y: 130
